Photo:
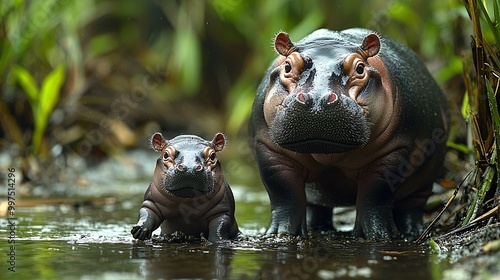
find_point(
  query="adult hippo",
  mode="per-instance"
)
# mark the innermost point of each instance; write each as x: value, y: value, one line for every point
x: 348, y: 118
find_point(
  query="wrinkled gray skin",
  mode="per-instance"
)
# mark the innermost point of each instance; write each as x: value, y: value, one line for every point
x: 188, y: 192
x: 348, y: 118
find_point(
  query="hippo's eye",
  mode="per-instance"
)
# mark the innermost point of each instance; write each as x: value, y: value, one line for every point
x: 288, y: 67
x: 360, y: 69
x: 170, y: 154
x: 212, y: 157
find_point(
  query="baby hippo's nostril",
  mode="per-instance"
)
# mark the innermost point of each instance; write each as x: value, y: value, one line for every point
x: 181, y: 168
x: 198, y: 168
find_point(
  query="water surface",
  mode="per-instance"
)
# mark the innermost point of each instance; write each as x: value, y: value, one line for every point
x: 80, y: 241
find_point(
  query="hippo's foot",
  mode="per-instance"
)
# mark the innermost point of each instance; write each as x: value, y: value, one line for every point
x: 376, y: 223
x: 144, y: 228
x: 409, y: 223
x: 141, y: 232
x: 319, y: 218
x: 288, y: 220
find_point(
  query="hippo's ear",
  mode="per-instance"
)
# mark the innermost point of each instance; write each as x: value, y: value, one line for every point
x: 219, y: 142
x: 158, y: 142
x: 283, y: 45
x: 371, y: 44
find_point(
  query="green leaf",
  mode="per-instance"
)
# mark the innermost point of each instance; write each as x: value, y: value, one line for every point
x: 187, y: 52
x: 435, y: 249
x: 27, y: 82
x: 102, y: 44
x: 51, y: 86
x: 496, y: 10
x: 465, y: 107
x: 49, y: 95
x: 486, y: 17
x: 459, y: 147
x: 40, y: 126
x: 495, y: 115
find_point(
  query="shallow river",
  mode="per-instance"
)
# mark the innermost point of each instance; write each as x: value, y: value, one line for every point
x: 80, y: 241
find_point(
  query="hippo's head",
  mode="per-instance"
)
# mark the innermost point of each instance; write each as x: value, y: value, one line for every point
x: 188, y: 166
x: 318, y: 99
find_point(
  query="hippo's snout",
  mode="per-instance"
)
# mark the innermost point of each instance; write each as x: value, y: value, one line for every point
x: 189, y: 179
x: 189, y: 182
x: 319, y: 123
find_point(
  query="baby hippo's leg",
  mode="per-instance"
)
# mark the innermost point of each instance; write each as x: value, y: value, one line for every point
x: 221, y: 228
x: 148, y: 222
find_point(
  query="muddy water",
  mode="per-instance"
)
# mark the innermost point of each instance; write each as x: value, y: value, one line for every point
x: 71, y: 241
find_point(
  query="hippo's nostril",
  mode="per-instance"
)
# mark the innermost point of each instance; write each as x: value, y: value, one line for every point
x: 301, y: 98
x: 198, y: 168
x: 332, y: 97
x: 181, y: 168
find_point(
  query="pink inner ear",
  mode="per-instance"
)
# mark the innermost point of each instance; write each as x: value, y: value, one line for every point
x: 371, y: 44
x: 219, y: 142
x: 283, y: 44
x: 157, y: 142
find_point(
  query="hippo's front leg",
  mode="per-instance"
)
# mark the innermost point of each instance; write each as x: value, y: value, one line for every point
x: 374, y: 204
x: 221, y: 228
x: 374, y: 217
x: 285, y: 184
x: 148, y: 222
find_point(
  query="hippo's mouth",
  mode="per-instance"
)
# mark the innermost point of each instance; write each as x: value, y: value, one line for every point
x: 187, y: 192
x: 320, y: 146
x: 188, y: 187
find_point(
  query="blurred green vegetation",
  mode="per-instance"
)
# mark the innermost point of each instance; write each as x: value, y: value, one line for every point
x: 135, y: 67
x: 42, y: 100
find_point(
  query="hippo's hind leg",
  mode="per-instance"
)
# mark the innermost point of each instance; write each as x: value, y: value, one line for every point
x: 319, y: 218
x: 331, y: 189
x: 408, y: 213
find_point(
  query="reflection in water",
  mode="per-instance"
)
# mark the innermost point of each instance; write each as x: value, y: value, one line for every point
x: 180, y: 261
x: 279, y: 258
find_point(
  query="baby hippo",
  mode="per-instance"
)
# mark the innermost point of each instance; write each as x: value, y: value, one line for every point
x: 188, y: 192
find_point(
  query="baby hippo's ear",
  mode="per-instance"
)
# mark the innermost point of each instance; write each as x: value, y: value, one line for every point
x: 158, y: 142
x: 283, y: 45
x: 219, y: 142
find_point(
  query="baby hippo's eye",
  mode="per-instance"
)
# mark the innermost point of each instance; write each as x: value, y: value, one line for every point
x: 212, y: 157
x: 169, y: 155
x: 288, y: 67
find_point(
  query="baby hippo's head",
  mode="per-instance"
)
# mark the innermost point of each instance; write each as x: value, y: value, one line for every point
x: 188, y: 166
